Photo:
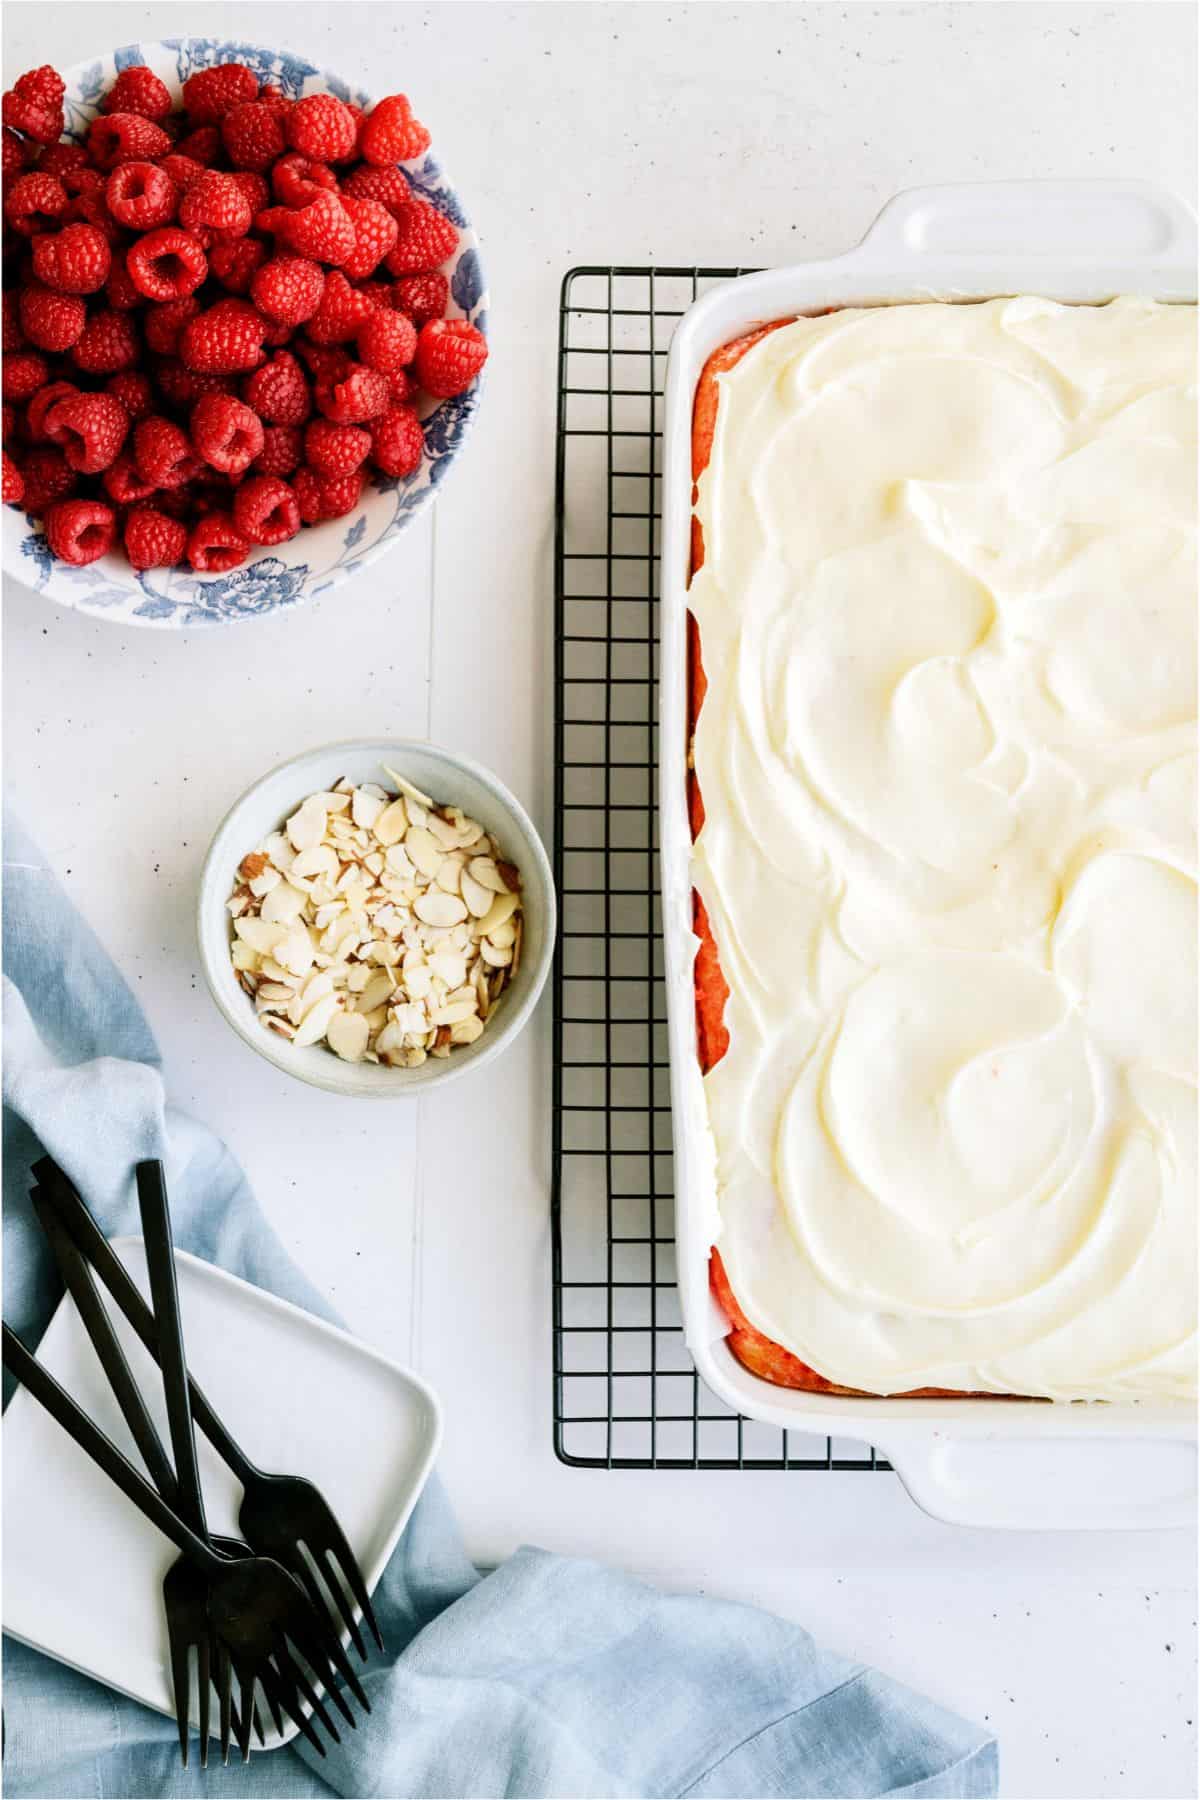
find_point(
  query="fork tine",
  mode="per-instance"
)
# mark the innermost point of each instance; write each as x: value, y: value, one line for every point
x: 321, y: 1606
x: 181, y: 1687
x: 245, y: 1673
x: 204, y: 1684
x: 224, y: 1698
x: 319, y: 1651
x: 279, y: 1696
x: 338, y: 1548
x: 291, y: 1670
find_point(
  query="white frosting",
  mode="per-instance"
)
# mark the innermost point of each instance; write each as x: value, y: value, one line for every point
x: 946, y: 755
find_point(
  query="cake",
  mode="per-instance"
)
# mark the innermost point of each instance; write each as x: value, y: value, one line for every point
x: 943, y: 698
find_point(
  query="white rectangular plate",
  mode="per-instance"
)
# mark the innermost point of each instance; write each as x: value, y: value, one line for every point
x: 83, y: 1570
x: 1004, y: 1462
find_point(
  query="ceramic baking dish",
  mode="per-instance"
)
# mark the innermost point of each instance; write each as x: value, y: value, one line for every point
x: 980, y: 1462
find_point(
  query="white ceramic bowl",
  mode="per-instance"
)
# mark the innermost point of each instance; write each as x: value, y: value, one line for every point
x: 319, y: 557
x: 450, y: 780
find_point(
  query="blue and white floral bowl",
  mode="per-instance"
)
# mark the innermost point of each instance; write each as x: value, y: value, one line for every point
x: 320, y: 556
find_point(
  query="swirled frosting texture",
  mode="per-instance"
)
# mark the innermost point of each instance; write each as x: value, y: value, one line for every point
x: 946, y: 754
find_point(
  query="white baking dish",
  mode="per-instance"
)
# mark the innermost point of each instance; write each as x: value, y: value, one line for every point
x: 979, y: 1462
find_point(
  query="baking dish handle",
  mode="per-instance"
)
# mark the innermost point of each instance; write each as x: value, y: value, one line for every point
x: 1066, y: 221
x: 1053, y: 1483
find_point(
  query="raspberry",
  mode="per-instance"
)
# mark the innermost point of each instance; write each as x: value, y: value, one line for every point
x: 48, y: 477
x: 24, y: 373
x: 361, y: 395
x: 226, y: 339
x: 450, y: 354
x: 288, y: 289
x: 397, y: 441
x: 203, y: 146
x: 235, y: 265
x: 388, y: 186
x: 49, y: 320
x: 14, y: 337
x: 125, y: 137
x: 322, y: 230
x: 322, y: 127
x: 391, y: 134
x: 375, y: 232
x: 141, y: 196
x: 13, y: 489
x: 183, y: 170
x: 78, y: 531
x: 120, y: 290
x: 163, y: 454
x: 422, y: 297
x: 324, y: 364
x: 226, y: 433
x: 109, y: 342
x: 35, y: 201
x: 163, y: 325
x: 167, y: 264
x: 152, y: 539
x: 77, y: 261
x: 182, y: 387
x: 218, y: 203
x: 326, y: 496
x: 278, y: 391
x: 9, y: 415
x: 342, y: 310
x: 138, y: 90
x: 210, y: 93
x: 266, y: 510
x: 254, y: 187
x: 296, y: 179
x: 36, y: 428
x: 335, y: 449
x: 133, y: 390
x: 282, y: 451
x: 34, y: 105
x: 88, y: 208
x: 253, y: 135
x: 401, y: 386
x: 426, y: 238
x: 91, y: 428
x: 387, y: 341
x: 216, y: 545
x: 18, y: 153
x: 122, y: 483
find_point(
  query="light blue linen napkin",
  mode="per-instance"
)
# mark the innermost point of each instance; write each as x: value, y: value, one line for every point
x: 548, y: 1676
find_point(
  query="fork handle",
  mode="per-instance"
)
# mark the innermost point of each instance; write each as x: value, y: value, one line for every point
x: 164, y: 1293
x: 78, y: 1279
x: 95, y: 1246
x: 20, y: 1361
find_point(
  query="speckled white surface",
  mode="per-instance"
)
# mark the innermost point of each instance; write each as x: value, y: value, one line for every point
x: 714, y: 133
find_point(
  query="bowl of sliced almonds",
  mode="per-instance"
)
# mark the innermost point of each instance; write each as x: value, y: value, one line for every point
x: 376, y: 916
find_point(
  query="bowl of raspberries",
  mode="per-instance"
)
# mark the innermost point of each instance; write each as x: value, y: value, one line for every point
x: 244, y: 330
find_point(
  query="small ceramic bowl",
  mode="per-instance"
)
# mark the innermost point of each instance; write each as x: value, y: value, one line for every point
x: 320, y: 556
x: 451, y: 780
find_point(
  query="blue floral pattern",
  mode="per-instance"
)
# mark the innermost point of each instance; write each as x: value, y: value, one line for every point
x: 320, y: 556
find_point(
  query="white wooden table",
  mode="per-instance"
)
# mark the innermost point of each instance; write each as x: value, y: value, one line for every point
x: 592, y: 133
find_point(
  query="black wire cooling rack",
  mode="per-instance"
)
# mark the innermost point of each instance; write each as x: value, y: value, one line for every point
x: 626, y: 1395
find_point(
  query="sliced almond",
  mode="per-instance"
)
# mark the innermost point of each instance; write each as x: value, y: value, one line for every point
x: 283, y: 904
x: 424, y: 850
x: 261, y: 934
x: 391, y: 824
x: 262, y: 884
x: 377, y: 990
x: 347, y: 1035
x: 320, y: 860
x: 486, y: 872
x: 466, y: 1031
x: 438, y: 909
x: 495, y: 959
x: 501, y: 910
x: 406, y: 787
x: 244, y: 957
x: 365, y: 807
x: 306, y: 827
x: 295, y: 953
x: 503, y: 937
x: 479, y: 899
x: 454, y: 1015
x: 316, y: 1021
x: 449, y: 966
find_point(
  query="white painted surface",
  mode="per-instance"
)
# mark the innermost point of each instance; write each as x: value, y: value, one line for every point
x: 590, y: 133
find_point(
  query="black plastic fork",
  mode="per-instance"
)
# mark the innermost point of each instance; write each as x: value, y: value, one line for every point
x: 183, y: 1591
x: 279, y: 1513
x: 261, y: 1614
